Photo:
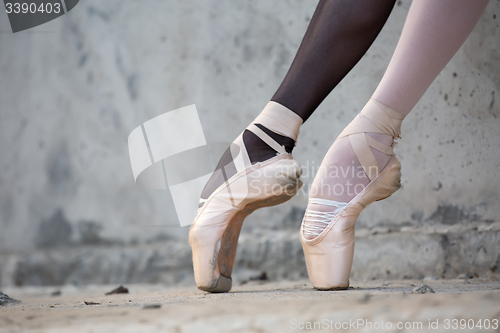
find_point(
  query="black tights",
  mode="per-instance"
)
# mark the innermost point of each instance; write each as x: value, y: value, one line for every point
x: 340, y: 33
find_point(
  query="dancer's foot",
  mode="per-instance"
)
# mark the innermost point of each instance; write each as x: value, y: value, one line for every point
x: 260, y: 173
x: 359, y: 168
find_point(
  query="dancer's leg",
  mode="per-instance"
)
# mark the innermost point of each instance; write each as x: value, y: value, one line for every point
x: 338, y: 36
x: 432, y: 34
x: 340, y: 33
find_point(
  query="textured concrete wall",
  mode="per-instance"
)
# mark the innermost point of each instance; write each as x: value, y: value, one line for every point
x: 73, y: 89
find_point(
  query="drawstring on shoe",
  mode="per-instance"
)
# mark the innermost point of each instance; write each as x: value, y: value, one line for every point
x: 315, y: 221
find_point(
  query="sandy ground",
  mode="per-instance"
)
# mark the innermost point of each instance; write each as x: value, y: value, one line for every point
x: 259, y: 306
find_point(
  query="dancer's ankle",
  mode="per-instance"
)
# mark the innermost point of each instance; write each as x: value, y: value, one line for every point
x: 280, y: 123
x: 280, y: 119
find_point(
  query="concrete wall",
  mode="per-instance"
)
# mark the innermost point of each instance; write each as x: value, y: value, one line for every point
x: 73, y: 89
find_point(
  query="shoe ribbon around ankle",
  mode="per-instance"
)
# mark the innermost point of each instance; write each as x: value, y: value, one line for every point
x: 374, y: 118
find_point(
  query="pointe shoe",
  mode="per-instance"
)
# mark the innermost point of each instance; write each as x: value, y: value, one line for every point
x: 214, y: 234
x: 329, y: 255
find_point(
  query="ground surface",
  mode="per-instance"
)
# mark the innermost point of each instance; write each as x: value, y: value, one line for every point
x: 258, y: 306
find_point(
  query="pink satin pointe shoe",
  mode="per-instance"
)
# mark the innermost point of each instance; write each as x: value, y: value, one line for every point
x: 215, y: 231
x: 328, y: 237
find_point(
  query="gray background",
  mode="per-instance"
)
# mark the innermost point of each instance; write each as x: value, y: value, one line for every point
x: 73, y: 89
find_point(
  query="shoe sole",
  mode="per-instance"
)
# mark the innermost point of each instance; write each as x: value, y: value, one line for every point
x: 332, y: 288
